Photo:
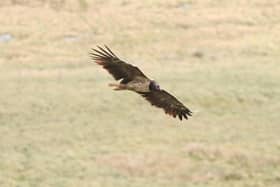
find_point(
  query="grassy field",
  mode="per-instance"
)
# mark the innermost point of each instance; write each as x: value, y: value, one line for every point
x: 62, y: 126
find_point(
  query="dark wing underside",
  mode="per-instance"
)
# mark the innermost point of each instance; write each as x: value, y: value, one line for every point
x: 119, y: 69
x: 169, y: 103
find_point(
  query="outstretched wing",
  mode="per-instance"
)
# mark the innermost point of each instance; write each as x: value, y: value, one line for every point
x: 169, y: 103
x: 116, y: 67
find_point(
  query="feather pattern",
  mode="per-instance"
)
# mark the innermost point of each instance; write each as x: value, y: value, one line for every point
x: 164, y: 100
x: 119, y: 69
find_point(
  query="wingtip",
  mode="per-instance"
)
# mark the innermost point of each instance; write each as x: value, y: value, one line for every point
x: 99, y: 47
x: 180, y: 117
x: 104, y: 51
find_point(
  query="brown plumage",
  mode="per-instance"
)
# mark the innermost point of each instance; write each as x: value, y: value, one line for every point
x: 132, y: 78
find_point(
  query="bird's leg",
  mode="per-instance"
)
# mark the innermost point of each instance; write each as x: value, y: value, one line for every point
x: 118, y: 86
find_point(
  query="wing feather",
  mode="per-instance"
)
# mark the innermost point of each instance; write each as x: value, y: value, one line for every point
x: 119, y: 69
x: 169, y: 103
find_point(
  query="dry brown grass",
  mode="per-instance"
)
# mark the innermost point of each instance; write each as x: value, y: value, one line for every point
x: 62, y: 126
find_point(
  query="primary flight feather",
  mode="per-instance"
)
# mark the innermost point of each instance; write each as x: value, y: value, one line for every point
x: 132, y: 78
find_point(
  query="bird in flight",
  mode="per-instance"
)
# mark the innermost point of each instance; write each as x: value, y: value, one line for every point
x: 132, y: 78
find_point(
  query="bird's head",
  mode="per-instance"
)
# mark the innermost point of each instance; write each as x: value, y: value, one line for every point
x: 154, y: 85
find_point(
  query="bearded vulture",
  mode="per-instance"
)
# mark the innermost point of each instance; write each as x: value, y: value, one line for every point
x: 132, y: 78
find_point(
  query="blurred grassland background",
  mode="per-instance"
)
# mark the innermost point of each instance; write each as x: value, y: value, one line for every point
x: 62, y: 126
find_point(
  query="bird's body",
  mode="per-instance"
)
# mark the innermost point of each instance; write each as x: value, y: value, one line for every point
x: 133, y: 79
x: 138, y: 85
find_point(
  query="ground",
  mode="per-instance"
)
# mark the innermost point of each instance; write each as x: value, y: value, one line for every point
x: 62, y: 126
